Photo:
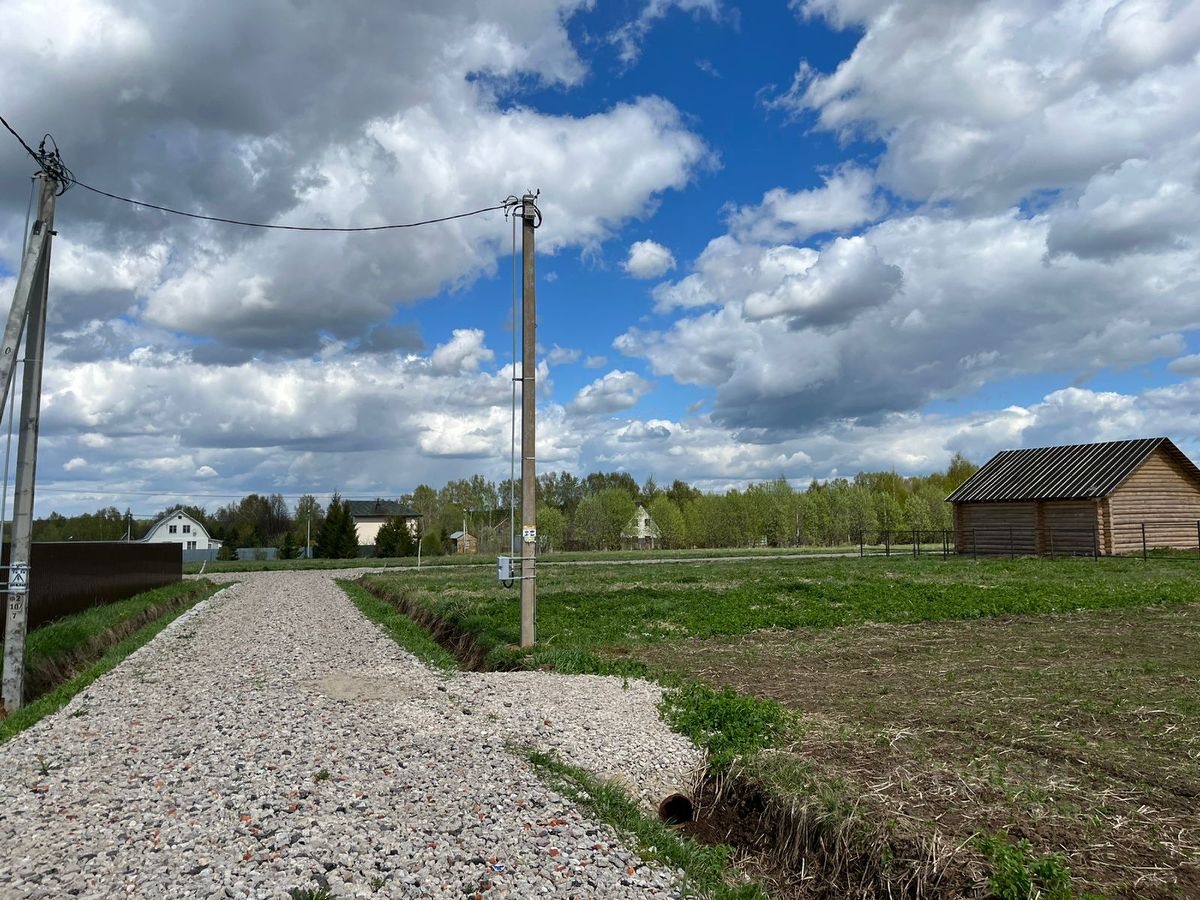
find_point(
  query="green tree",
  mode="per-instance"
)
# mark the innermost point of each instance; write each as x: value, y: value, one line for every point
x: 617, y: 508
x: 668, y: 518
x: 588, y: 524
x: 395, y: 539
x: 227, y: 552
x: 552, y: 527
x: 331, y: 539
x: 287, y: 548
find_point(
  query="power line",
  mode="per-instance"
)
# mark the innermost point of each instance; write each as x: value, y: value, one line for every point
x: 50, y: 162
x: 222, y: 219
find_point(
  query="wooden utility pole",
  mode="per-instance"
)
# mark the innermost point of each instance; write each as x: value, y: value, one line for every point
x: 528, y: 425
x: 30, y: 307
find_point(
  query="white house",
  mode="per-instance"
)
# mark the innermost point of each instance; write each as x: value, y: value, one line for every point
x: 641, y: 533
x: 179, y: 528
x: 370, y: 515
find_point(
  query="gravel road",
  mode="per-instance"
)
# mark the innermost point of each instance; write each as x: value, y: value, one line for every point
x: 273, y: 739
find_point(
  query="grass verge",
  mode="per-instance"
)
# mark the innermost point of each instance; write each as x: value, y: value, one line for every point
x: 76, y: 650
x: 705, y: 867
x: 403, y: 630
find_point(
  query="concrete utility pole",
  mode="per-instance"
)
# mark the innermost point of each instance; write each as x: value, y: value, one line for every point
x: 30, y: 306
x: 528, y: 425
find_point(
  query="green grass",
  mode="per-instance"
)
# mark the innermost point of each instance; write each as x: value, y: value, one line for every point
x: 706, y: 868
x: 403, y: 630
x: 74, y: 634
x: 588, y: 616
x: 488, y: 561
x: 725, y: 724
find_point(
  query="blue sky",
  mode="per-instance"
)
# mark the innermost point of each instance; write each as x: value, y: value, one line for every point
x: 803, y: 238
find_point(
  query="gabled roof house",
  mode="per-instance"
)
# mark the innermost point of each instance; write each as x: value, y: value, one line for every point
x: 1104, y: 498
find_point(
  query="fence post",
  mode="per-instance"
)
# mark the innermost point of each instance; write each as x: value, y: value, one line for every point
x: 974, y: 546
x: 1050, y: 534
x: 887, y: 540
x: 945, y: 544
x: 1143, y: 541
x: 861, y: 543
x: 1096, y: 541
x: 916, y: 546
x: 1012, y: 548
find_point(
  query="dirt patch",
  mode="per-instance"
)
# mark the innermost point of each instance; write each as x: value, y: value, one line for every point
x: 359, y: 688
x: 1079, y: 733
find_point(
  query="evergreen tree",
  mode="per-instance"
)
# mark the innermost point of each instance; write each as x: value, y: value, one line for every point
x: 331, y: 529
x: 347, y: 541
x: 227, y: 552
x: 287, y: 549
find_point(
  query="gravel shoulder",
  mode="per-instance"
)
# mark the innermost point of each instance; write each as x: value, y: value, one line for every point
x: 274, y: 739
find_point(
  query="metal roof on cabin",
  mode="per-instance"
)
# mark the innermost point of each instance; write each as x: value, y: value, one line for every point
x: 362, y: 508
x: 1072, y: 472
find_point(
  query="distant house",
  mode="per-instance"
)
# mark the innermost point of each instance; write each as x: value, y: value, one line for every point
x: 641, y: 533
x: 180, y: 528
x: 464, y: 542
x: 370, y: 515
x: 1107, y: 498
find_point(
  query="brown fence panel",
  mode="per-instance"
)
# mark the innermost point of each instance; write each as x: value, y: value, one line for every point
x: 72, y: 576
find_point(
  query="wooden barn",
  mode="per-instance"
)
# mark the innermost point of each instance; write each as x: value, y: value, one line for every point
x: 1109, y: 498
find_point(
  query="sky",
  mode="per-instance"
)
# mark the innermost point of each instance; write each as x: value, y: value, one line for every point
x: 797, y: 239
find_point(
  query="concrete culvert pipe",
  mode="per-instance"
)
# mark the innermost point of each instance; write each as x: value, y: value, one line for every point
x: 676, y: 809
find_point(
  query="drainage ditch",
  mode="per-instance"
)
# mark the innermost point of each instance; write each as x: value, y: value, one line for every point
x: 795, y: 848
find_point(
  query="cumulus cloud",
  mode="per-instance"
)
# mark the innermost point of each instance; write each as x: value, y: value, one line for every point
x: 595, y: 362
x: 613, y: 392
x: 1186, y: 365
x: 846, y: 200
x: 648, y: 259
x: 986, y: 103
x: 415, y: 123
x: 464, y: 352
x: 562, y: 355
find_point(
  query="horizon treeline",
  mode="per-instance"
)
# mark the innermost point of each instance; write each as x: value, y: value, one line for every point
x: 588, y: 512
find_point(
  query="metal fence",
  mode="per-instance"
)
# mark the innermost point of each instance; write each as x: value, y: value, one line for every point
x: 72, y: 576
x: 1174, y: 539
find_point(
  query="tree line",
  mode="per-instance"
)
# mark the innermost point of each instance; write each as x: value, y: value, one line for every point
x: 588, y: 512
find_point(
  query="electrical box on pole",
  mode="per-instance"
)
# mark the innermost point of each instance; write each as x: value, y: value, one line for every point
x: 28, y: 315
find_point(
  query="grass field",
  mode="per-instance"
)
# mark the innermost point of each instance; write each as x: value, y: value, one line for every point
x: 1025, y: 723
x: 489, y: 562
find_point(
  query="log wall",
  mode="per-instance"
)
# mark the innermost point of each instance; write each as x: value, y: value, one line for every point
x: 1162, y: 495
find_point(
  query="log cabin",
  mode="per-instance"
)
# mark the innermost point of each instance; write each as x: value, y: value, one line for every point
x: 1109, y: 498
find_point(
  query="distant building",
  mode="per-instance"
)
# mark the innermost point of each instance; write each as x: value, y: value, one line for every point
x: 464, y: 542
x: 180, y: 528
x: 370, y: 515
x: 641, y: 533
x: 1113, y: 497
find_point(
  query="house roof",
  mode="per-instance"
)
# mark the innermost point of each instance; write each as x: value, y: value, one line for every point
x: 1071, y: 472
x: 176, y: 513
x: 455, y: 535
x: 364, y: 508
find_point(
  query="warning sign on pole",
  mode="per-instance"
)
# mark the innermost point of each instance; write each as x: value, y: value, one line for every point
x: 18, y: 578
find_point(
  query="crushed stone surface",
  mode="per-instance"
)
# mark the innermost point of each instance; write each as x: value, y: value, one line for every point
x: 273, y: 740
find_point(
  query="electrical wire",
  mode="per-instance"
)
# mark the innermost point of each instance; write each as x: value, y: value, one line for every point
x: 50, y: 162
x: 275, y: 227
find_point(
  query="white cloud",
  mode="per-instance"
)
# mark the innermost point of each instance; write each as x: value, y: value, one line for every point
x: 1186, y: 365
x: 628, y: 38
x: 987, y: 103
x: 648, y: 259
x: 414, y: 123
x: 75, y: 462
x: 595, y: 362
x: 464, y: 352
x: 562, y: 355
x: 205, y: 472
x: 611, y: 393
x: 847, y: 200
